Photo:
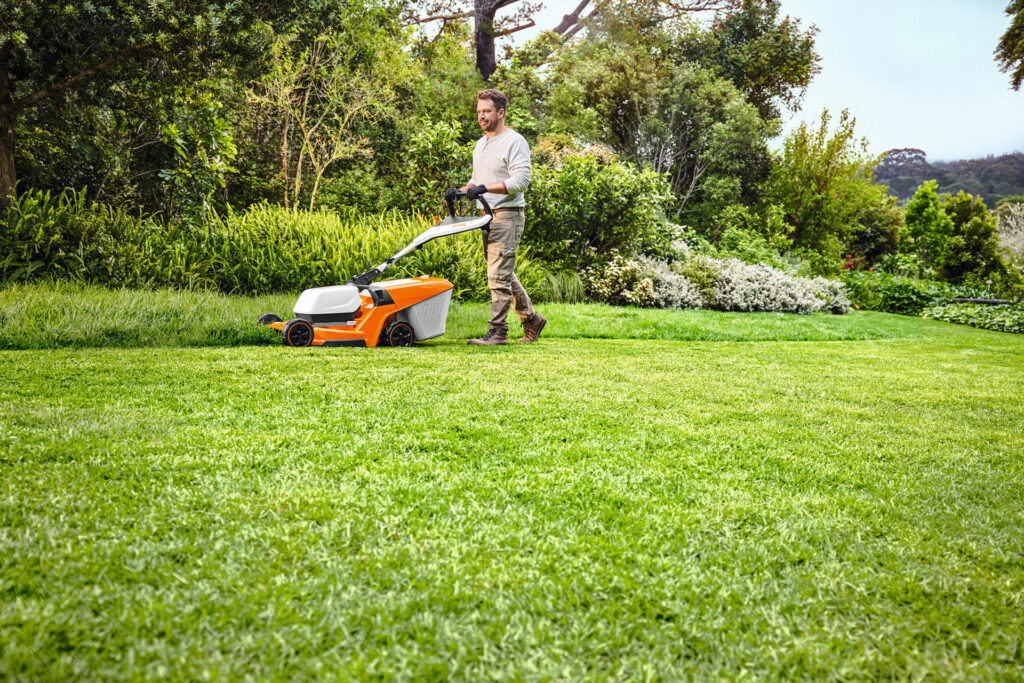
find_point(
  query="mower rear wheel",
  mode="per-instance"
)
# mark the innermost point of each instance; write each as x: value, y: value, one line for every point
x: 297, y: 332
x: 399, y: 333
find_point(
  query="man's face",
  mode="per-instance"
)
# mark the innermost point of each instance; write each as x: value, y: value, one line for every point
x: 488, y: 116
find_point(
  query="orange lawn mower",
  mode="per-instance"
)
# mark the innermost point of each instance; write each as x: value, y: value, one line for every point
x: 387, y: 313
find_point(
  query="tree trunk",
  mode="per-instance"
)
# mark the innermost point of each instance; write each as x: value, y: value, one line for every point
x: 8, y: 177
x: 483, y: 18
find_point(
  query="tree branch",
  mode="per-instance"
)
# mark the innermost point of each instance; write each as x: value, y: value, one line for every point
x: 571, y: 19
x: 530, y: 23
x: 444, y: 17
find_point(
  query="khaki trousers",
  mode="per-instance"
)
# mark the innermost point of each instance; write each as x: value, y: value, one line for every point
x: 500, y: 244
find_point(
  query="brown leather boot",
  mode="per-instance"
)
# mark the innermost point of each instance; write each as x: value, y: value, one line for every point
x: 533, y: 327
x: 495, y: 335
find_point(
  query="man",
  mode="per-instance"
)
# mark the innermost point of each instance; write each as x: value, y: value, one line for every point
x: 501, y: 171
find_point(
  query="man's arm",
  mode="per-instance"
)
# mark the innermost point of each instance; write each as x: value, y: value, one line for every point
x: 518, y: 167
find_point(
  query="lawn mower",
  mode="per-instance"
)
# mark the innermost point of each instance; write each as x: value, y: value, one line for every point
x: 362, y: 312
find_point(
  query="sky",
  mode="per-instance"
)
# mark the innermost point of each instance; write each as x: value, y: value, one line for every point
x: 914, y: 73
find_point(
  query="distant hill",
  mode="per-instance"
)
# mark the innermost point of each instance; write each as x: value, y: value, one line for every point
x: 993, y: 178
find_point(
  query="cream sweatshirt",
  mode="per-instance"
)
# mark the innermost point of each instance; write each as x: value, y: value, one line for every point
x: 502, y: 158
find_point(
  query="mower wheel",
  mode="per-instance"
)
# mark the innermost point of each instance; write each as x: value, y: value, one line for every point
x: 297, y: 332
x: 399, y: 334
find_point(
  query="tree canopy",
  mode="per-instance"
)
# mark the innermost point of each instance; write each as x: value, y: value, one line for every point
x: 1010, y: 50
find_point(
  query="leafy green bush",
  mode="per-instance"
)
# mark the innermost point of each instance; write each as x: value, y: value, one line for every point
x: 748, y: 247
x: 904, y: 295
x: 999, y: 318
x: 265, y: 249
x: 586, y: 203
x: 620, y: 281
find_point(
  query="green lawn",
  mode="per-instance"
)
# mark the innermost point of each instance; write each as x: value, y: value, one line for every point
x: 816, y: 496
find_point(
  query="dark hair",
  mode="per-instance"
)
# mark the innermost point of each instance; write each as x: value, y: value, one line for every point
x: 494, y: 95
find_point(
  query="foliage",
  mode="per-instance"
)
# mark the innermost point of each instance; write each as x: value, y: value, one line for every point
x: 679, y: 118
x: 823, y: 184
x: 723, y: 284
x: 747, y: 246
x: 671, y: 289
x: 588, y: 202
x: 893, y: 293
x: 973, y: 248
x: 103, y: 45
x: 265, y: 249
x: 324, y: 89
x: 771, y: 60
x: 878, y: 233
x: 620, y: 281
x: 741, y: 286
x: 434, y: 160
x: 954, y: 237
x: 203, y: 153
x: 564, y: 286
x: 998, y: 318
x: 1010, y: 51
x: 928, y: 226
x: 1010, y: 217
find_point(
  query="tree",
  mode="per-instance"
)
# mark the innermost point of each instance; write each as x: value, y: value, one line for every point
x: 824, y: 183
x: 629, y: 88
x: 901, y: 162
x: 1010, y: 51
x: 50, y: 50
x: 928, y: 226
x: 973, y: 246
x: 487, y: 26
x: 324, y: 89
x: 770, y: 58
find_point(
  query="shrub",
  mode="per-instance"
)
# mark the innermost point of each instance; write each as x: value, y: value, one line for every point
x: 702, y: 273
x: 671, y: 290
x: 585, y: 202
x: 725, y: 284
x: 999, y: 318
x: 905, y: 295
x: 264, y: 249
x: 895, y: 293
x: 745, y: 287
x: 620, y: 281
x: 748, y: 247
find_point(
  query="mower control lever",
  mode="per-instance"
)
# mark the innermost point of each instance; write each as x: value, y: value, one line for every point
x: 459, y: 195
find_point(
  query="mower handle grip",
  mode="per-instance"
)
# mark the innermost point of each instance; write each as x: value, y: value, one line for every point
x: 451, y: 204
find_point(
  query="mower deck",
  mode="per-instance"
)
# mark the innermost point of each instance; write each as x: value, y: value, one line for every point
x: 382, y: 319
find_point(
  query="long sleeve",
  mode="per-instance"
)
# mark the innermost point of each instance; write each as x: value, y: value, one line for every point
x: 518, y: 167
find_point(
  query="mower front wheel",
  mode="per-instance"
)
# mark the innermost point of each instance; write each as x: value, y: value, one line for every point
x: 297, y: 332
x: 398, y: 333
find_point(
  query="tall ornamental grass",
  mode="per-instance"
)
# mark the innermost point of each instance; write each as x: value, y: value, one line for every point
x: 262, y: 250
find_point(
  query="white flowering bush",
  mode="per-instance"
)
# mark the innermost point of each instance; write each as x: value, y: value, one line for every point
x: 724, y: 284
x: 1011, y: 230
x: 671, y: 290
x: 619, y: 281
x: 756, y: 287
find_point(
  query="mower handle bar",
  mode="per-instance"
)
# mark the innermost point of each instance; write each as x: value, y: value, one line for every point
x: 365, y: 278
x: 460, y: 195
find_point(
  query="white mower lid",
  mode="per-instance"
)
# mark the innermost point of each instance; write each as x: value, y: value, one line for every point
x: 323, y: 300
